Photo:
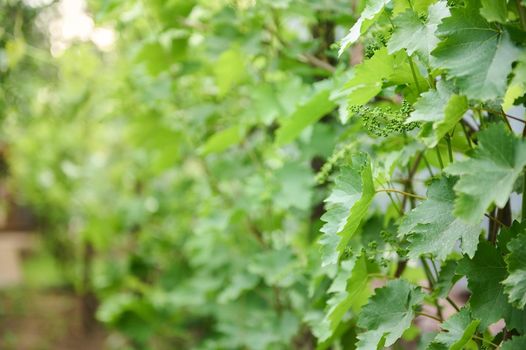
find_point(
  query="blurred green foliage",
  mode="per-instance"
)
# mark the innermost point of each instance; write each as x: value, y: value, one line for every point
x: 174, y: 174
x: 198, y: 244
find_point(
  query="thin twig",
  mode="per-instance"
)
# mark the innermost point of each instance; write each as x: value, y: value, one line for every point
x: 430, y: 279
x: 505, y: 115
x: 485, y: 340
x: 495, y: 220
x: 468, y: 138
x: 428, y: 166
x: 452, y: 303
x: 449, y: 148
x: 393, y: 190
x: 413, y: 72
x: 305, y: 58
x: 316, y: 62
x: 429, y: 316
x: 439, y: 156
x: 398, y: 209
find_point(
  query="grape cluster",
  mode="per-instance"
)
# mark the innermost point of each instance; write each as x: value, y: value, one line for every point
x: 379, y: 40
x: 391, y: 238
x: 384, y: 121
x: 331, y: 163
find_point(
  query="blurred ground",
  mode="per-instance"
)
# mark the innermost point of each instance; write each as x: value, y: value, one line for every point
x: 12, y: 248
x: 35, y: 314
x: 31, y: 320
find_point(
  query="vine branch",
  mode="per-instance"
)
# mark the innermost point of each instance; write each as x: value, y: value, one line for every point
x: 407, y: 194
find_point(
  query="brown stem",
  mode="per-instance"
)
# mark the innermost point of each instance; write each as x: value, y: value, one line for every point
x: 429, y: 316
x: 316, y: 62
x: 493, y: 227
x: 305, y: 58
x: 503, y: 219
x: 505, y: 115
x: 400, y: 267
x: 504, y: 214
x: 88, y: 300
x: 495, y: 220
x: 277, y: 300
x: 452, y: 303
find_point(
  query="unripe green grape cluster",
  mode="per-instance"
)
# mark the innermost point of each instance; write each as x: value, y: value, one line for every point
x: 384, y: 121
x: 331, y: 163
x: 379, y: 40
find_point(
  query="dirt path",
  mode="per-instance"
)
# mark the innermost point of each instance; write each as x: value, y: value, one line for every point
x: 44, y: 321
x: 12, y: 244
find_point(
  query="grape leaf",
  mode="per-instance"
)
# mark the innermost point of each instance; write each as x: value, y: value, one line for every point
x: 346, y: 207
x: 477, y: 54
x: 516, y: 343
x: 430, y: 105
x: 388, y: 314
x: 517, y: 86
x: 446, y: 278
x: 459, y: 329
x: 432, y: 228
x: 485, y: 272
x: 239, y: 283
x: 515, y: 284
x: 295, y: 184
x: 403, y: 75
x: 494, y: 10
x: 350, y: 295
x: 417, y: 6
x: 222, y: 140
x: 372, y: 9
x: 441, y: 107
x: 307, y: 113
x: 229, y: 70
x: 368, y: 77
x: 415, y: 35
x: 488, y: 177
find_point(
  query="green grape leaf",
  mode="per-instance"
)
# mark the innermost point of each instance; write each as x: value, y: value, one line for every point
x: 266, y: 103
x: 477, y: 54
x: 488, y: 177
x: 239, y: 283
x: 441, y: 107
x: 222, y: 140
x: 459, y: 329
x: 517, y: 86
x: 431, y: 104
x: 307, y: 113
x: 372, y: 9
x: 516, y: 343
x: 346, y: 206
x: 368, y: 78
x: 274, y: 267
x: 446, y: 278
x: 515, y: 284
x: 295, y: 186
x: 431, y: 227
x: 417, y: 6
x: 485, y: 272
x: 229, y: 70
x: 388, y: 314
x: 494, y: 10
x: 352, y: 294
x: 506, y: 234
x: 15, y: 50
x: 415, y: 35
